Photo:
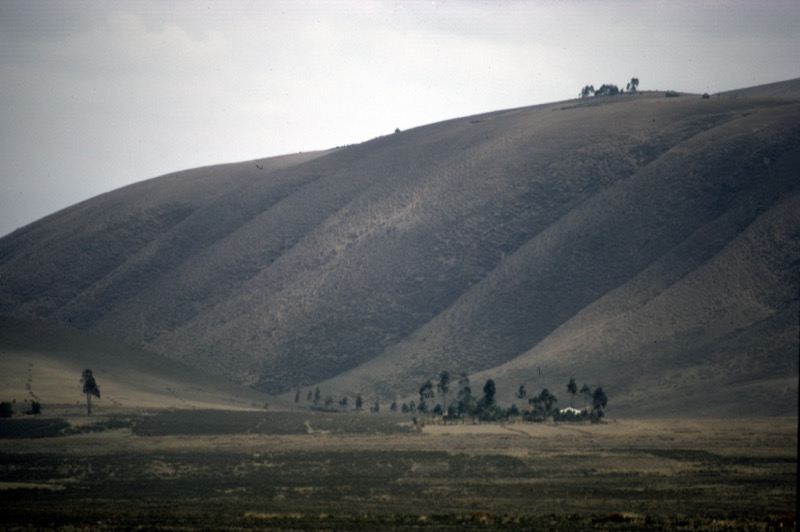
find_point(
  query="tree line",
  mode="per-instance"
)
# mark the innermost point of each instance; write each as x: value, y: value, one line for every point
x: 609, y: 89
x: 458, y: 402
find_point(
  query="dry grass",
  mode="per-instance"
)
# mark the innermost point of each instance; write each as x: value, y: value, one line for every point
x: 261, y: 470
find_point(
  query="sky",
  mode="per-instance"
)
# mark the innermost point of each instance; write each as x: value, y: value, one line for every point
x: 95, y: 95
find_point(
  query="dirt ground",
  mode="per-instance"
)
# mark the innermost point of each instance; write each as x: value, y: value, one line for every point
x: 304, y: 470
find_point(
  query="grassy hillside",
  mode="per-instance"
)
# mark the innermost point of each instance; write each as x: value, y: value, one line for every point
x: 43, y: 362
x: 646, y: 243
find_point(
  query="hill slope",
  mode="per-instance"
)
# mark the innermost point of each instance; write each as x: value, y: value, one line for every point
x: 635, y: 241
x: 43, y: 362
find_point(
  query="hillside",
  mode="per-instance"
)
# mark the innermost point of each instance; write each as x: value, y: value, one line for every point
x: 43, y: 362
x: 650, y: 244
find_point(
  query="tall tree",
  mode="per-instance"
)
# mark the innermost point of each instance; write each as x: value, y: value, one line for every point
x: 489, y: 391
x: 90, y: 388
x: 444, y: 386
x: 426, y: 394
x: 632, y: 85
x: 599, y: 402
x: 572, y: 388
x: 359, y: 402
x: 547, y: 400
x: 587, y: 91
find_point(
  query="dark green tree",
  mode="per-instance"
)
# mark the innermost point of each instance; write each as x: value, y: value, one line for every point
x: 317, y: 396
x: 90, y: 388
x: 572, y: 388
x: 359, y: 402
x: 6, y: 409
x: 633, y: 85
x: 547, y: 400
x: 444, y: 386
x: 599, y: 402
x: 297, y: 396
x: 489, y: 391
x: 587, y: 91
x: 426, y: 394
x: 607, y: 89
x: 343, y: 402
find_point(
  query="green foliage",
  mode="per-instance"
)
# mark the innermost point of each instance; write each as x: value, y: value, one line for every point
x: 572, y: 388
x: 587, y: 91
x: 607, y: 89
x: 426, y: 394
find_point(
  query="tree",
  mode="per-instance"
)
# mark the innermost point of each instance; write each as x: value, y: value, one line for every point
x: 426, y: 394
x: 489, y: 391
x: 607, y: 89
x: 359, y: 402
x: 297, y: 396
x: 587, y: 91
x: 343, y: 402
x: 632, y: 85
x: 6, y: 409
x: 547, y: 400
x: 317, y: 396
x: 90, y: 388
x: 599, y: 402
x: 572, y: 388
x: 444, y: 386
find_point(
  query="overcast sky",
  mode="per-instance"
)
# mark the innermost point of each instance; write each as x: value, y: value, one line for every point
x: 99, y: 94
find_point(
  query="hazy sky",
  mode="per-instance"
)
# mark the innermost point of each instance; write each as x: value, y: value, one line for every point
x: 98, y: 94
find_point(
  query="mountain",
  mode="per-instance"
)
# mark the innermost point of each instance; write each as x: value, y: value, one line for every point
x: 647, y: 244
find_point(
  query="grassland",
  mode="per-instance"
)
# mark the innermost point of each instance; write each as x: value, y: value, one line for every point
x: 212, y: 469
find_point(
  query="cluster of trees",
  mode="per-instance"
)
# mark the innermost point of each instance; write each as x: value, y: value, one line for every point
x: 540, y: 407
x: 459, y: 403
x: 609, y: 89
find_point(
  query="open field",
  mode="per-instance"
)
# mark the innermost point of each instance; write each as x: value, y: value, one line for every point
x: 187, y: 469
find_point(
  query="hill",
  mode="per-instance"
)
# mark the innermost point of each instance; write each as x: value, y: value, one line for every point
x: 43, y: 362
x: 644, y: 243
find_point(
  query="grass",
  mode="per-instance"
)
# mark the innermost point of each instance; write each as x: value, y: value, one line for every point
x: 266, y: 471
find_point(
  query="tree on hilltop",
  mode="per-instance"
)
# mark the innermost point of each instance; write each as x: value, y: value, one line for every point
x: 90, y: 388
x: 587, y: 91
x: 607, y: 89
x: 632, y: 85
